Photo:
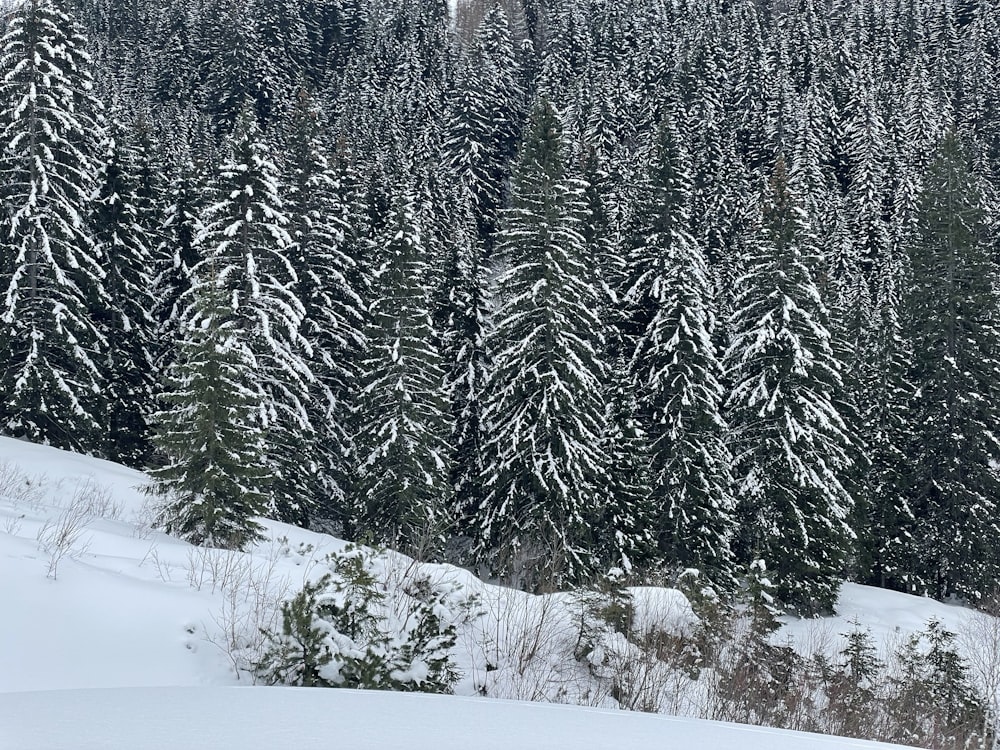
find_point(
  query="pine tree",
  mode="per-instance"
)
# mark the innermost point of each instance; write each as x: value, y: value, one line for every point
x: 173, y: 55
x: 401, y: 493
x: 460, y: 315
x: 51, y: 276
x: 483, y: 120
x: 789, y: 443
x: 885, y: 365
x: 545, y: 410
x: 129, y: 325
x: 677, y: 373
x: 214, y: 479
x: 234, y: 65
x: 626, y: 537
x: 334, y: 315
x: 951, y: 311
x: 280, y: 31
x: 245, y: 240
x: 176, y: 255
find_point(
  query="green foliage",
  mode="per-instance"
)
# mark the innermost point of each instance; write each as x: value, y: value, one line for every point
x: 953, y: 452
x: 545, y: 466
x: 933, y: 699
x: 789, y: 441
x: 607, y: 607
x: 213, y: 473
x: 300, y: 652
x: 128, y: 324
x: 676, y: 372
x: 852, y: 688
x: 343, y: 630
x: 401, y: 490
x: 51, y: 275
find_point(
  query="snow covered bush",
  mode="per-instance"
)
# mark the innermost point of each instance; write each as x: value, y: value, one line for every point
x: 346, y: 630
x: 637, y: 643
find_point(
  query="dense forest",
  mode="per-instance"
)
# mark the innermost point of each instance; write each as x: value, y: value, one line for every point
x: 544, y: 289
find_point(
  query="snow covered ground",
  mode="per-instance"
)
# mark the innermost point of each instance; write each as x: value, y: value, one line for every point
x: 113, y: 635
x: 270, y: 718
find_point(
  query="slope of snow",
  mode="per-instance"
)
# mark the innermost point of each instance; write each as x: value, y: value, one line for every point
x: 126, y: 641
x: 269, y: 718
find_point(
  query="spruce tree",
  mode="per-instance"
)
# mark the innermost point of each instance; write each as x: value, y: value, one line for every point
x: 401, y: 491
x: 214, y: 479
x: 545, y: 406
x: 51, y: 276
x: 234, y: 65
x: 626, y: 536
x: 461, y: 312
x: 128, y: 323
x: 677, y: 373
x: 953, y: 457
x: 176, y: 255
x: 790, y: 444
x: 483, y: 120
x: 245, y: 240
x: 334, y: 316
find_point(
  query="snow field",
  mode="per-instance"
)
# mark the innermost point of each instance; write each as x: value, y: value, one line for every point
x: 116, y: 635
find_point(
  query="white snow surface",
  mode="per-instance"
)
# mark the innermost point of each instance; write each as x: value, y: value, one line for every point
x: 308, y: 719
x: 120, y: 645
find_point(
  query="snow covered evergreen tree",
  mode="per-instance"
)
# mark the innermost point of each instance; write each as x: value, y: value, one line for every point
x: 245, y: 241
x: 788, y: 441
x: 176, y: 255
x: 483, y: 120
x: 401, y: 492
x: 128, y: 323
x: 215, y: 477
x: 461, y: 312
x: 954, y: 452
x: 626, y: 536
x: 677, y: 373
x: 545, y: 406
x: 51, y: 276
x: 334, y: 314
x: 238, y: 75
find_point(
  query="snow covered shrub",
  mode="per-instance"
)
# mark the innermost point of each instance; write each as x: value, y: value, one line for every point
x: 296, y: 656
x: 637, y: 643
x: 608, y: 607
x: 345, y: 630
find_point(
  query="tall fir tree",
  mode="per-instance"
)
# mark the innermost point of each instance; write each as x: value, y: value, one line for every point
x: 51, y: 275
x: 320, y: 226
x: 214, y: 478
x: 790, y: 444
x: 953, y: 457
x: 483, y: 121
x: 245, y: 240
x: 401, y: 491
x: 545, y: 407
x: 677, y: 373
x: 175, y: 255
x: 128, y: 322
x: 461, y: 311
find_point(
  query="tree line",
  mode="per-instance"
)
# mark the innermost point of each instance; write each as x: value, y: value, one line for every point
x: 539, y: 287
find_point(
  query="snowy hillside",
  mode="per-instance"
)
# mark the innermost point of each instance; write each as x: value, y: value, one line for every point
x: 268, y: 718
x: 94, y: 598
